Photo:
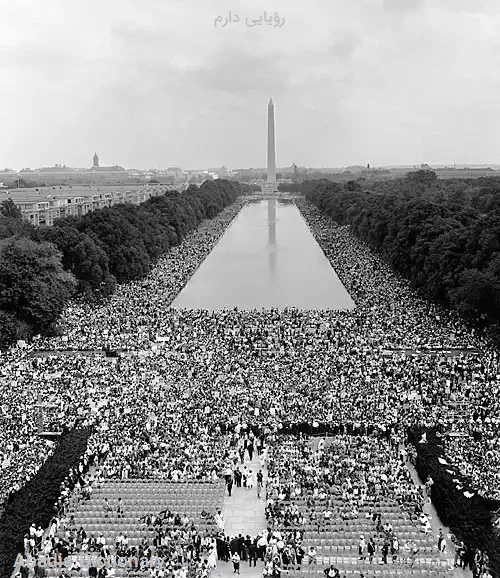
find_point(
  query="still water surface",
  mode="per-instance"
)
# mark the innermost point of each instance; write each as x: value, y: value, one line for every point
x: 266, y: 258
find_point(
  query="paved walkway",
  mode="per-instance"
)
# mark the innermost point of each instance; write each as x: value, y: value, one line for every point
x: 244, y: 511
x: 244, y: 514
x: 436, y: 524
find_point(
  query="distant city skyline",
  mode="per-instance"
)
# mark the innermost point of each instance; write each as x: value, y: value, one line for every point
x: 156, y: 84
x: 262, y: 168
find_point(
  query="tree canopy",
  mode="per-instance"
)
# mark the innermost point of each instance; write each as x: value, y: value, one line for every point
x: 41, y: 267
x: 442, y: 236
x: 33, y: 284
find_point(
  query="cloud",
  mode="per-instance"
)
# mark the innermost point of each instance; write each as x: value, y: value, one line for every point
x: 242, y: 72
x: 344, y: 48
x: 154, y: 83
x: 402, y: 6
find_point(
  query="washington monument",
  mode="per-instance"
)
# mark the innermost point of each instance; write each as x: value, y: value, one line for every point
x: 270, y: 186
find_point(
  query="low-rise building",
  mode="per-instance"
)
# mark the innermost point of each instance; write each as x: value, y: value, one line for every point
x: 465, y: 173
x: 42, y: 206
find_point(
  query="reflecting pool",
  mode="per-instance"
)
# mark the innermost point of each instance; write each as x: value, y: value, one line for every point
x: 266, y: 258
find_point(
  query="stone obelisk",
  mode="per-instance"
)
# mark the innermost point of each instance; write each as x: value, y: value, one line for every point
x: 270, y: 186
x: 271, y: 146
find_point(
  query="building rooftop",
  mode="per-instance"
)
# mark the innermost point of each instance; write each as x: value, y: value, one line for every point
x: 41, y: 194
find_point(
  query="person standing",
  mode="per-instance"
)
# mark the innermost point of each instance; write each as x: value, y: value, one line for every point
x: 107, y: 508
x: 229, y: 484
x: 235, y: 558
x: 459, y: 552
x: 478, y: 563
x: 225, y: 550
x: 362, y: 548
x: 119, y: 509
x: 261, y: 547
x: 220, y: 547
x: 212, y: 559
x: 371, y: 550
x: 299, y: 555
x: 385, y: 552
x: 219, y: 520
x: 32, y: 531
x: 468, y: 558
x: 395, y: 549
x: 242, y: 548
x: 247, y: 544
x: 234, y: 544
x: 441, y: 541
x: 428, y: 488
x: 250, y: 449
x: 252, y: 553
x: 227, y: 473
x: 39, y: 536
x: 260, y: 482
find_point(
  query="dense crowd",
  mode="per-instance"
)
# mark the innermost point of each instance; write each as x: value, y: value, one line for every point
x: 185, y: 550
x: 340, y: 482
x: 358, y: 470
x: 187, y: 379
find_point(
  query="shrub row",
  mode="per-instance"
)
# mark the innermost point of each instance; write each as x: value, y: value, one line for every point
x: 35, y: 501
x: 470, y: 519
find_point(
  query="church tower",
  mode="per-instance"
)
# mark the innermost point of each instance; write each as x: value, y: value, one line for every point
x: 95, y: 164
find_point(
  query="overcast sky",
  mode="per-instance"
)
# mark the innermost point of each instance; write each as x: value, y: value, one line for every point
x: 154, y: 83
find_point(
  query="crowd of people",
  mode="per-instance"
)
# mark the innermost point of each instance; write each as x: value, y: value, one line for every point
x: 328, y: 487
x: 185, y: 550
x: 184, y: 381
x: 337, y: 486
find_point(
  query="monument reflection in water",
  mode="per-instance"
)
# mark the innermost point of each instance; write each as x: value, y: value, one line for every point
x: 271, y: 227
x: 266, y: 258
